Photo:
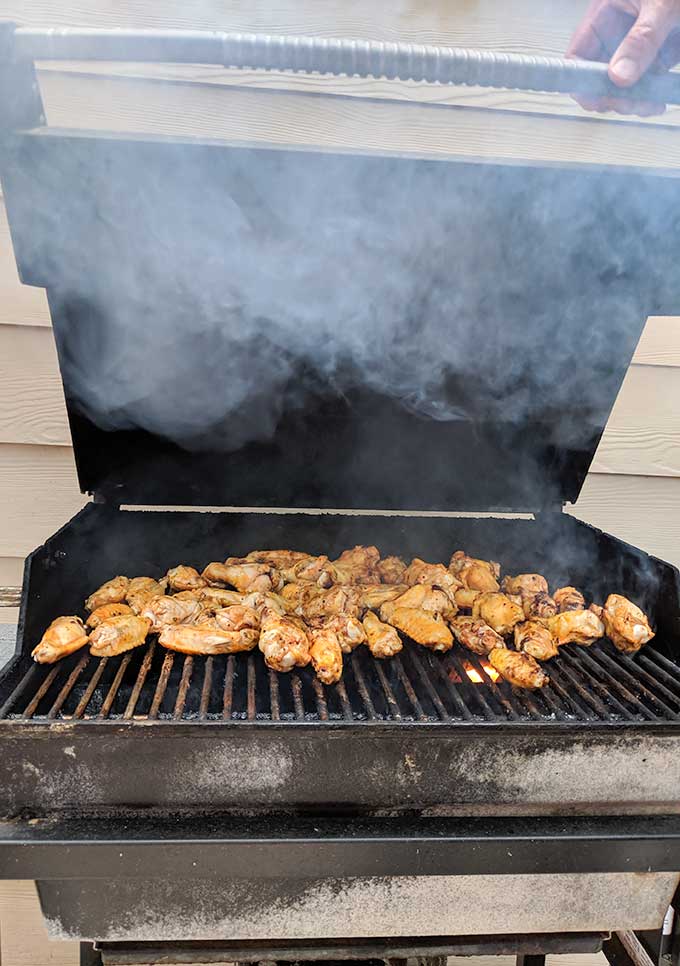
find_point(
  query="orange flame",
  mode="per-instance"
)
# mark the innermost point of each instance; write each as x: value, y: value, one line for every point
x: 476, y: 677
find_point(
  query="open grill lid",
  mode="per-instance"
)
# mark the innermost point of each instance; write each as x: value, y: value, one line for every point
x: 246, y: 326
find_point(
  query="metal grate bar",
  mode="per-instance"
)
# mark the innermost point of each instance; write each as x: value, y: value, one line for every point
x: 637, y: 682
x: 408, y: 688
x: 529, y: 706
x: 228, y: 697
x: 274, y: 695
x: 672, y: 680
x: 597, y: 684
x: 639, y: 671
x: 427, y: 684
x: 41, y: 692
x: 361, y: 685
x: 567, y: 696
x: 592, y: 700
x: 90, y: 689
x: 613, y: 682
x: 344, y: 701
x: 494, y: 688
x: 139, y: 682
x: 205, y: 691
x: 21, y: 687
x: 550, y: 699
x: 296, y: 687
x: 392, y: 702
x: 162, y: 685
x: 251, y: 704
x: 184, y: 684
x: 321, y: 705
x: 443, y: 673
x: 67, y: 688
x: 113, y: 690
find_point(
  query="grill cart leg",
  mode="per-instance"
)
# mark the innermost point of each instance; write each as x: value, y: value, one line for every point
x: 89, y: 956
x: 530, y: 961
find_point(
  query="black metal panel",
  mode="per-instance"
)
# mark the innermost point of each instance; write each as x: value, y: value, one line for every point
x: 225, y: 847
x: 355, y: 331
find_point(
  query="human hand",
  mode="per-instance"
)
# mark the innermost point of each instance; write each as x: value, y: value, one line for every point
x: 633, y: 36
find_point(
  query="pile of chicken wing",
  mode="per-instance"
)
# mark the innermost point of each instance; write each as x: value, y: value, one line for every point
x: 299, y: 609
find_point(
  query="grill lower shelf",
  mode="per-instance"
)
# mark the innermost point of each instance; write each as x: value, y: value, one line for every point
x: 586, y: 684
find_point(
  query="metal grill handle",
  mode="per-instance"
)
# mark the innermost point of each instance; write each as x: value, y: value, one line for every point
x: 363, y: 58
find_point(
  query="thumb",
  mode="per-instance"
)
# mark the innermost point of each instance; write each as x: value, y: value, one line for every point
x: 640, y: 46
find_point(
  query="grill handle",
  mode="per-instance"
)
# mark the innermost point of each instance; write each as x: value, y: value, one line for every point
x: 363, y: 58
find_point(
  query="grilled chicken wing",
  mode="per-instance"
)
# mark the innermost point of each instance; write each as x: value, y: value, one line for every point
x: 627, y: 626
x: 481, y: 575
x: 326, y: 654
x: 207, y: 638
x: 105, y: 611
x: 316, y: 570
x: 141, y: 590
x: 576, y: 627
x: 119, y: 634
x: 430, y: 599
x: 266, y: 603
x: 475, y: 634
x: 214, y: 598
x: 436, y: 575
x: 350, y: 630
x: 238, y: 618
x: 338, y: 600
x: 498, y: 611
x: 539, y: 605
x: 391, y: 570
x: 383, y: 640
x: 465, y: 598
x: 534, y: 638
x: 112, y: 592
x: 281, y: 560
x: 284, y: 642
x: 163, y: 611
x: 247, y: 578
x: 569, y: 598
x: 521, y: 670
x: 526, y: 585
x: 426, y: 629
x: 64, y: 636
x: 357, y: 566
x: 185, y: 578
x: 374, y: 596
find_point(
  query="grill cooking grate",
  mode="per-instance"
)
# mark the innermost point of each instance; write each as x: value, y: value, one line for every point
x: 587, y: 685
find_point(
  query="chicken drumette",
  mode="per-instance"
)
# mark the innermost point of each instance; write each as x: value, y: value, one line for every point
x: 498, y: 611
x: 112, y: 592
x: 383, y: 640
x: 284, y: 642
x: 534, y: 638
x: 481, y: 575
x: 521, y: 670
x: 185, y: 578
x: 569, y: 598
x: 576, y: 627
x: 427, y: 598
x: 391, y: 570
x: 326, y: 654
x: 627, y: 626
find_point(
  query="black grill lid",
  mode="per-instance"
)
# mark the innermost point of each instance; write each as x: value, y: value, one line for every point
x: 245, y: 326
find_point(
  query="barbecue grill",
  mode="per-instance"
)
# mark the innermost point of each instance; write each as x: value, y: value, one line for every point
x: 418, y: 800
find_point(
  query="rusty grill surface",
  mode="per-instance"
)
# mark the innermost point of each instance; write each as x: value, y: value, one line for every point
x: 596, y: 684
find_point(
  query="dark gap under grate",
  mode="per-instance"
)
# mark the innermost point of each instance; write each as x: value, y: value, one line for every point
x: 586, y: 685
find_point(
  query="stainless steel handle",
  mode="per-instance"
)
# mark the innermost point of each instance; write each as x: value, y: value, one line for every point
x: 363, y: 58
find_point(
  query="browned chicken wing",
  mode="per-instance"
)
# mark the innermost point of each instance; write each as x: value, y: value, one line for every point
x: 112, y: 592
x: 525, y: 585
x: 539, y: 605
x: 247, y: 578
x: 426, y: 629
x: 569, y: 598
x: 357, y: 566
x: 534, y: 638
x: 475, y: 634
x: 383, y: 640
x: 521, y: 670
x: 338, y: 600
x: 214, y: 598
x: 374, y: 596
x: 239, y: 617
x: 350, y: 630
x: 266, y: 603
x: 281, y: 560
x: 284, y: 642
x: 430, y: 599
x: 185, y: 578
x: 627, y: 626
x: 576, y: 627
x: 391, y: 570
x: 498, y: 611
x: 64, y: 636
x: 207, y: 638
x: 316, y: 570
x: 436, y: 575
x: 481, y: 575
x: 163, y: 611
x: 119, y: 634
x: 105, y: 611
x: 141, y: 590
x: 465, y: 598
x: 326, y: 654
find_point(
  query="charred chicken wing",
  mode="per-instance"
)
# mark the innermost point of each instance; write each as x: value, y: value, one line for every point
x: 521, y: 670
x: 119, y: 634
x: 391, y: 570
x: 426, y: 629
x: 64, y: 636
x: 569, y: 598
x: 284, y: 642
x: 539, y: 605
x: 326, y: 654
x: 185, y: 578
x: 475, y: 634
x: 498, y: 611
x: 576, y: 627
x: 626, y: 625
x: 112, y: 592
x: 105, y: 611
x: 534, y: 638
x: 207, y: 638
x: 383, y: 640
